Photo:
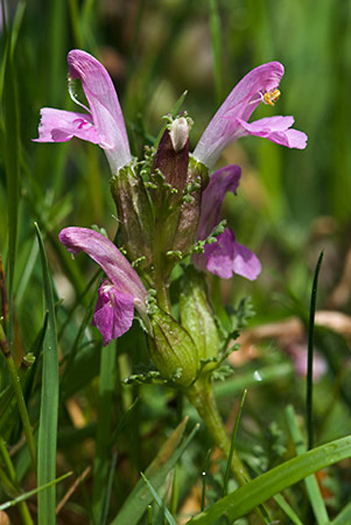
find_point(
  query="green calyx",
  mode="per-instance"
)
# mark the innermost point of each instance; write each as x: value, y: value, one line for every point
x: 197, y: 318
x: 173, y: 350
x: 135, y: 214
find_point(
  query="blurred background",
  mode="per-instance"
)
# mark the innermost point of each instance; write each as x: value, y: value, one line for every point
x: 290, y: 206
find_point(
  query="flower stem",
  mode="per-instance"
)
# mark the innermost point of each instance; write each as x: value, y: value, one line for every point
x: 201, y: 396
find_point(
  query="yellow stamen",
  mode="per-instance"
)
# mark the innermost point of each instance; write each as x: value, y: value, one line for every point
x: 271, y: 97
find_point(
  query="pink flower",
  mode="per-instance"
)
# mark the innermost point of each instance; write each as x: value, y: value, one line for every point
x: 121, y: 293
x: 103, y: 124
x: 231, y: 120
x: 225, y: 256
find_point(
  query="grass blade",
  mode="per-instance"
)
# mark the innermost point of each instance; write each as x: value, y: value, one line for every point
x: 168, y: 516
x: 12, y: 163
x: 344, y: 518
x: 254, y: 493
x: 49, y: 403
x: 284, y: 505
x: 108, y: 490
x: 215, y: 26
x: 309, y: 385
x: 232, y: 446
x: 15, y: 381
x: 103, y: 433
x: 29, y: 494
x: 139, y: 499
x: 312, y: 487
x: 204, y: 478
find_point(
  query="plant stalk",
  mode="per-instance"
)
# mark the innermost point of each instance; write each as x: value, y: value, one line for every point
x: 201, y: 396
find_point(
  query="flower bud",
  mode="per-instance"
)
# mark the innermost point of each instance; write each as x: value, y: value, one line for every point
x: 172, y: 155
x: 197, y: 180
x: 197, y: 317
x: 179, y: 134
x: 134, y: 214
x: 173, y: 350
x: 178, y: 199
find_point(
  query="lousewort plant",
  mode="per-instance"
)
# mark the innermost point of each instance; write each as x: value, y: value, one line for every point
x: 169, y: 211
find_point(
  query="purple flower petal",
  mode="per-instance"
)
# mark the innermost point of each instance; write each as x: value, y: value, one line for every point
x: 114, y: 312
x: 223, y: 180
x: 225, y: 127
x: 276, y: 129
x: 104, y: 106
x: 103, y: 125
x: 120, y: 272
x: 226, y: 256
x: 57, y: 125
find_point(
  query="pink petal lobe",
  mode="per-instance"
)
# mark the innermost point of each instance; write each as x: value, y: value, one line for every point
x: 226, y: 256
x: 221, y: 181
x: 245, y: 262
x: 275, y: 129
x: 240, y: 103
x: 57, y: 125
x: 104, y: 106
x: 107, y: 255
x: 113, y: 313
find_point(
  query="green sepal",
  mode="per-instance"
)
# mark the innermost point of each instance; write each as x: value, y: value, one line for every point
x: 197, y: 180
x: 197, y: 317
x: 135, y: 214
x: 173, y: 350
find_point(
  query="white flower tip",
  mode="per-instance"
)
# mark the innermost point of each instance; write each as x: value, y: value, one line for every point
x: 179, y: 133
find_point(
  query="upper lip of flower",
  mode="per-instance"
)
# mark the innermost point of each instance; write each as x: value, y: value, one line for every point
x: 105, y: 120
x: 231, y: 120
x: 107, y: 255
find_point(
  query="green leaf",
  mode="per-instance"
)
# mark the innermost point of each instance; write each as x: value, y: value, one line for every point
x: 256, y: 492
x: 312, y: 487
x: 47, y: 436
x: 139, y: 499
x: 12, y: 160
x: 31, y: 493
x: 344, y: 518
x: 104, y: 423
x: 167, y: 515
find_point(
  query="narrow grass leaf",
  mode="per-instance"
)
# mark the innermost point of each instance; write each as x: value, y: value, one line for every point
x: 21, y: 7
x: 232, y: 445
x: 49, y: 402
x: 254, y: 493
x: 23, y: 509
x: 108, y: 490
x: 29, y: 494
x: 12, y: 161
x: 215, y: 26
x: 312, y: 487
x: 21, y: 407
x: 107, y: 387
x: 344, y: 518
x: 309, y: 385
x: 204, y: 478
x: 139, y: 499
x: 289, y: 511
x: 167, y: 515
x: 27, y: 273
